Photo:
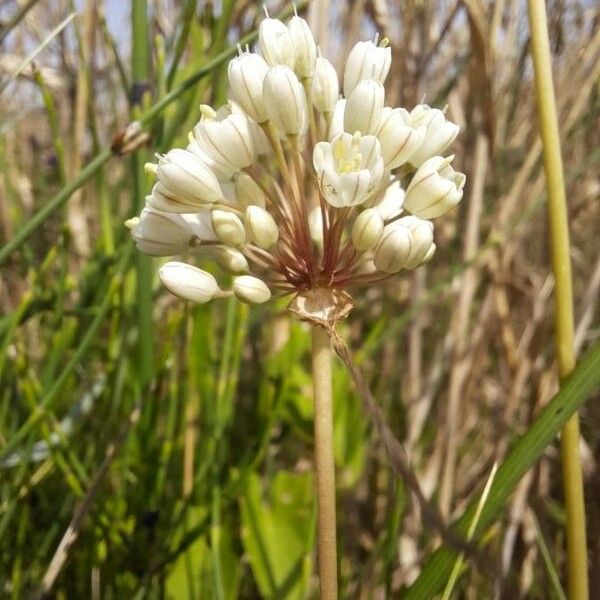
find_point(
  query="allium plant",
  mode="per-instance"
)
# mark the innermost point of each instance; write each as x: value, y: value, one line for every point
x: 296, y: 189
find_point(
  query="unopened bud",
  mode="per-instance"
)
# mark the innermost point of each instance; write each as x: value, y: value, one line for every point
x: 325, y: 86
x: 393, y: 249
x: 185, y: 183
x: 439, y: 135
x: 276, y: 44
x: 366, y: 61
x: 188, y: 282
x: 246, y: 75
x: 226, y: 137
x: 230, y: 259
x: 364, y: 107
x: 285, y: 101
x: 305, y: 47
x: 228, y: 227
x: 261, y: 226
x: 367, y: 229
x: 398, y: 138
x: 434, y: 189
x: 251, y: 289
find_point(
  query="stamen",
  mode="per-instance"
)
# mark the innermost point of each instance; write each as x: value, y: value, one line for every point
x: 151, y: 168
x: 295, y: 9
x: 266, y: 10
x: 376, y: 38
x: 239, y: 49
x: 207, y: 111
x: 385, y: 42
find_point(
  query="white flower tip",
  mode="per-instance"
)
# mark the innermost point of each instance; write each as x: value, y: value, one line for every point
x: 188, y: 282
x: 251, y: 290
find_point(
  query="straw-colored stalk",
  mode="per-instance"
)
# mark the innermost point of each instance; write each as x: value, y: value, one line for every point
x: 561, y: 267
x: 324, y: 463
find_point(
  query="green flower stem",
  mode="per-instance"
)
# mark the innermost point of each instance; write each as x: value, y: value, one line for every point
x: 324, y: 462
x: 140, y: 65
x: 561, y: 267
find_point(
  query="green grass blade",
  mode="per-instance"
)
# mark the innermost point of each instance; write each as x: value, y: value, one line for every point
x: 527, y: 449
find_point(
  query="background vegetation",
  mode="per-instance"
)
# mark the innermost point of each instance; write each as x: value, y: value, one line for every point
x: 153, y: 449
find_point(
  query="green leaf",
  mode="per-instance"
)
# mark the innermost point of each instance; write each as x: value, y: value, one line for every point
x: 527, y: 449
x: 277, y: 534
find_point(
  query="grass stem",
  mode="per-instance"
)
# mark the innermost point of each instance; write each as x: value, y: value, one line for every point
x: 561, y: 267
x: 324, y: 462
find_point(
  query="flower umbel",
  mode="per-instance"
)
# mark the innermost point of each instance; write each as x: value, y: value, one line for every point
x: 292, y: 187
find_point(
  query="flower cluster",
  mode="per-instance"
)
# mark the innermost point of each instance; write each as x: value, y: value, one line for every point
x: 291, y: 186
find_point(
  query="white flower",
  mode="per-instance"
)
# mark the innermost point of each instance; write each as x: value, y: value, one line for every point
x: 364, y: 107
x: 276, y: 44
x: 349, y: 168
x: 435, y: 188
x: 230, y: 259
x: 337, y: 120
x: 251, y: 289
x: 188, y: 282
x: 389, y: 203
x: 315, y: 225
x: 367, y: 229
x: 223, y: 172
x: 440, y: 132
x: 226, y: 137
x: 304, y: 46
x: 246, y: 74
x: 366, y: 61
x: 159, y: 233
x: 228, y: 227
x: 261, y: 227
x: 285, y: 100
x: 325, y: 86
x: 185, y: 183
x: 398, y: 138
x: 405, y: 244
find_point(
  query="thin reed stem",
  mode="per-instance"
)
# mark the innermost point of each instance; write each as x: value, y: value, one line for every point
x: 324, y: 463
x: 563, y: 316
x: 140, y: 61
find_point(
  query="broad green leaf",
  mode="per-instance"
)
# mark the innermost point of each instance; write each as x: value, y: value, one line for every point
x: 277, y: 534
x: 527, y: 449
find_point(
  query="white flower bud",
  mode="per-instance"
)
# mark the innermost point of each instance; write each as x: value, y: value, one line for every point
x: 325, y: 90
x: 434, y: 189
x: 228, y: 227
x: 223, y: 172
x: 366, y: 61
x: 393, y: 249
x: 398, y: 139
x: 390, y: 204
x: 421, y: 232
x: 367, y: 229
x: 158, y: 233
x: 276, y: 44
x: 230, y: 259
x: 337, y: 120
x: 185, y: 183
x: 440, y: 132
x: 226, y: 137
x: 285, y: 100
x: 246, y: 74
x: 349, y: 169
x: 304, y: 45
x: 249, y: 193
x: 364, y: 107
x: 188, y: 282
x: 261, y: 226
x: 251, y: 289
